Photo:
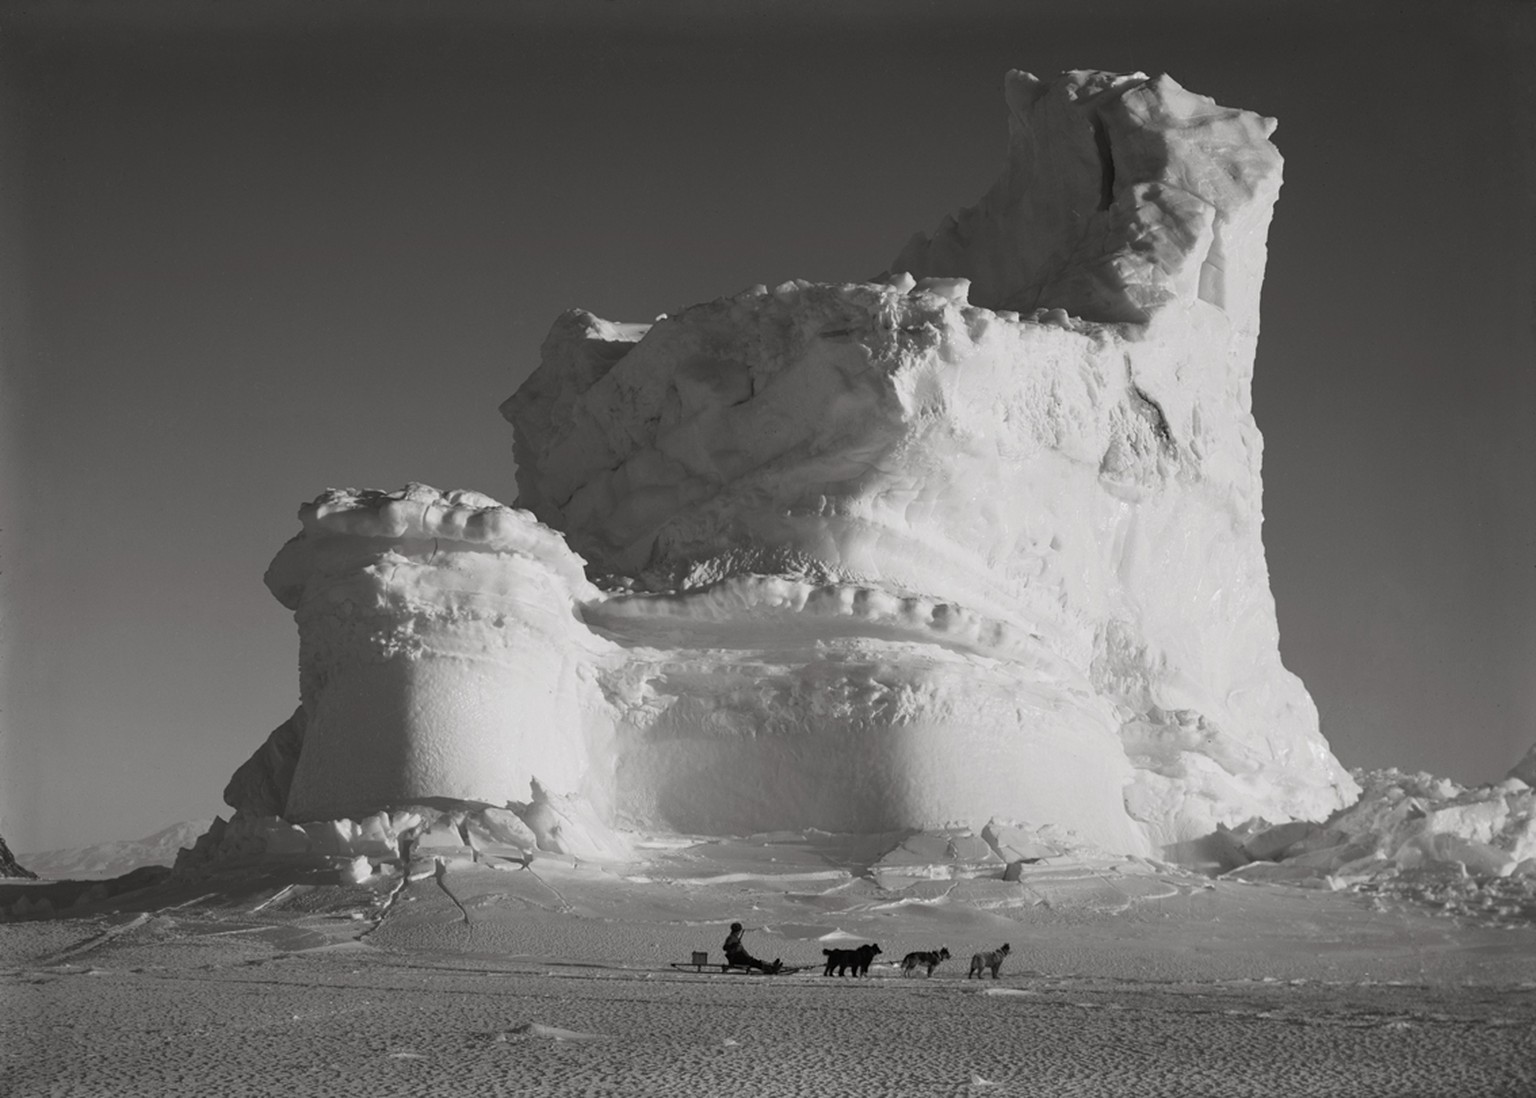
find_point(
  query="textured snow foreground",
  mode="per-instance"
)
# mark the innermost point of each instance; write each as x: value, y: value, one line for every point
x: 508, y: 971
x: 978, y: 540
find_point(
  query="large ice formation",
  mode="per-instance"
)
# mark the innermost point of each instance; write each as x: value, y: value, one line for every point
x: 977, y: 539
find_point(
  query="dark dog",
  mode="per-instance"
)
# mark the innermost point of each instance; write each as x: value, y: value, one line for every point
x: 914, y: 961
x: 855, y: 959
x: 980, y: 962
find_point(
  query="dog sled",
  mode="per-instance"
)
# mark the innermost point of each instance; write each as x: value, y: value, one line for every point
x: 701, y: 963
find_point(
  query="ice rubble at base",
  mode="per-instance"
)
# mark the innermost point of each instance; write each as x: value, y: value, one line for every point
x: 550, y: 823
x: 1402, y: 823
x: 1469, y: 852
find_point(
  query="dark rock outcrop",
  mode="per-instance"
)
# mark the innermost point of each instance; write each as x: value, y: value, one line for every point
x: 8, y: 865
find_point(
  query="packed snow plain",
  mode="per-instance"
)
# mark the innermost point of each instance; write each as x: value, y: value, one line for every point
x: 495, y: 968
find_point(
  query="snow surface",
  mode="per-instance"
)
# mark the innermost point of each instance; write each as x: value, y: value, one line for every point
x: 863, y: 556
x: 447, y: 973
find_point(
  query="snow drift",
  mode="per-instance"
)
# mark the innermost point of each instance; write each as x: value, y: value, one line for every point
x: 978, y: 538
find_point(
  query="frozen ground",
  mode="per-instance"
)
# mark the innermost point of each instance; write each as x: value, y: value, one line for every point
x: 1125, y: 979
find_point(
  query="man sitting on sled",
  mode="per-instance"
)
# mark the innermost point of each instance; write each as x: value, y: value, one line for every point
x: 739, y: 957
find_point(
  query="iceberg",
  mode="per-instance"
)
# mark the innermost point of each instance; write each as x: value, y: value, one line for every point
x: 977, y: 539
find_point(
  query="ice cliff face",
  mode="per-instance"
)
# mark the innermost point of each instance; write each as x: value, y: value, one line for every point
x: 980, y: 538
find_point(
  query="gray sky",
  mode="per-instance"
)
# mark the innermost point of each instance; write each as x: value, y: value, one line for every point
x: 252, y: 251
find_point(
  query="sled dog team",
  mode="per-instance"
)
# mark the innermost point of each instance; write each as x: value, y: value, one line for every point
x: 856, y: 961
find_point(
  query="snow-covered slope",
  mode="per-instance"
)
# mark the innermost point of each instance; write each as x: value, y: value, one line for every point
x: 862, y: 556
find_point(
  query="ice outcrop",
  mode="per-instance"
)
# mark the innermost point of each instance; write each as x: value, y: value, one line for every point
x: 566, y: 824
x: 978, y: 538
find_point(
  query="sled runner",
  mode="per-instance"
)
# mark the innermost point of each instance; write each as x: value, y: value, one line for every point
x: 702, y: 964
